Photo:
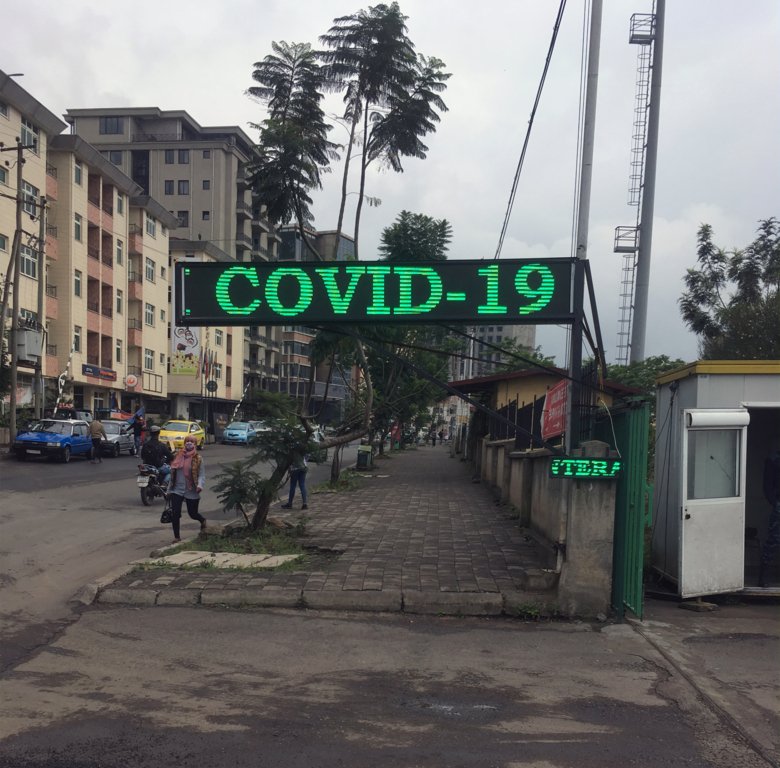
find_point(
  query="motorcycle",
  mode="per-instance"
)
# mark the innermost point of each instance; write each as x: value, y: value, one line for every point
x: 150, y: 484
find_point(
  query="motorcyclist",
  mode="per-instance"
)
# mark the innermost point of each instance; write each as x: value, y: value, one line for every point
x: 157, y: 454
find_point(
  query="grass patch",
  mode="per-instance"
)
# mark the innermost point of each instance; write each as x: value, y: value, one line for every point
x: 270, y: 541
x: 349, y: 480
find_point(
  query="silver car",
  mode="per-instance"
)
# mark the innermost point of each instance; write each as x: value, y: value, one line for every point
x: 120, y: 438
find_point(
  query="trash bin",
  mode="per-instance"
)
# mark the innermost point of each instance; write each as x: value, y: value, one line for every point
x: 364, y: 456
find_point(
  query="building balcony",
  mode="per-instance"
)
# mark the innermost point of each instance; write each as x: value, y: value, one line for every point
x: 135, y: 286
x: 52, y: 248
x: 108, y: 260
x: 93, y: 359
x: 93, y: 212
x: 243, y: 209
x: 52, y: 303
x: 135, y: 245
x: 243, y: 241
x: 261, y: 221
x: 52, y: 185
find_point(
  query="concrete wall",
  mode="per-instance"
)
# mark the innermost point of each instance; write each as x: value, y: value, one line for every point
x: 573, y: 520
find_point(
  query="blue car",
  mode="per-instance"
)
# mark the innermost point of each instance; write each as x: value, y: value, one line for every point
x: 239, y: 433
x: 55, y: 439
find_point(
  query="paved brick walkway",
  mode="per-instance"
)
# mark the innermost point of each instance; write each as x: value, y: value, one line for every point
x: 418, y: 535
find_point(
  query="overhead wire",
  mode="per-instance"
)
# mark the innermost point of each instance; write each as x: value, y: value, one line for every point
x: 520, y: 162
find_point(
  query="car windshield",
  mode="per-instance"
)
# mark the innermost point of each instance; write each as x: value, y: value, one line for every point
x: 112, y: 428
x: 57, y: 427
x: 176, y: 427
x: 239, y: 425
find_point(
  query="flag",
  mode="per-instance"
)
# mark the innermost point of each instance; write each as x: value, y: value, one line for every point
x: 114, y: 402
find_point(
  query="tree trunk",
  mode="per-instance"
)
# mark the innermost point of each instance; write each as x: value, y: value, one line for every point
x: 363, y: 166
x: 344, y: 180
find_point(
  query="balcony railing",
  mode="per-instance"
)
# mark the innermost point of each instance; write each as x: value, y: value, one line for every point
x: 51, y: 290
x: 94, y: 200
x: 51, y: 230
x: 135, y: 229
x: 51, y: 350
x: 51, y: 170
x: 141, y: 136
x: 93, y: 306
x: 108, y: 208
x: 93, y: 359
x: 134, y: 369
x: 93, y: 252
x: 106, y: 312
x: 134, y: 324
x: 108, y: 260
x: 135, y: 277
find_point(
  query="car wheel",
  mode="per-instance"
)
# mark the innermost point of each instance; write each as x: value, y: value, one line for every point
x: 21, y: 456
x: 117, y: 451
x: 65, y: 458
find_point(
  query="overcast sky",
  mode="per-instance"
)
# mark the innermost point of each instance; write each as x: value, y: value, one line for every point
x: 718, y: 159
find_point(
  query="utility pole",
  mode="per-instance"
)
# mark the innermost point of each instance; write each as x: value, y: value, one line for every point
x: 639, y: 326
x: 583, y: 214
x: 41, y: 313
x: 13, y: 270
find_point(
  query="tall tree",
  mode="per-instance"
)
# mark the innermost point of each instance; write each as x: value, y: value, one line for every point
x: 294, y: 149
x: 732, y: 301
x: 388, y: 90
x: 416, y: 237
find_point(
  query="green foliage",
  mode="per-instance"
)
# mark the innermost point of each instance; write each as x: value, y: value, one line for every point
x: 516, y: 357
x: 416, y: 237
x: 732, y: 300
x: 642, y: 374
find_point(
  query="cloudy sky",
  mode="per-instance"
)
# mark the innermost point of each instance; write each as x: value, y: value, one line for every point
x: 718, y: 159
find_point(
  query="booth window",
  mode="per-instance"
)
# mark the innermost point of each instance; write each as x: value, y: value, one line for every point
x: 713, y: 462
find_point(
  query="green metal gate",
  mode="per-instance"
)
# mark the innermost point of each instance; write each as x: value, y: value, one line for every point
x: 626, y: 430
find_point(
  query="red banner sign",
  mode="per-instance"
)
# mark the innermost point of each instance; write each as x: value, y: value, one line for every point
x: 554, y: 414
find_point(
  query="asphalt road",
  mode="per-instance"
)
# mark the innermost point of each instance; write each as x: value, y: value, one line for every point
x: 64, y: 525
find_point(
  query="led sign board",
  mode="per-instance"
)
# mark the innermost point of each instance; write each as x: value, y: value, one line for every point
x: 583, y: 468
x: 529, y: 291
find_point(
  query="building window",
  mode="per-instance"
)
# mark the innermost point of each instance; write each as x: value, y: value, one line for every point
x: 29, y: 135
x: 118, y: 351
x: 120, y: 252
x: 162, y: 315
x: 77, y: 338
x: 3, y: 243
x: 149, y: 314
x: 218, y: 337
x: 77, y: 226
x: 29, y: 262
x: 205, y: 215
x: 151, y: 226
x: 206, y: 154
x: 30, y: 195
x: 3, y: 109
x: 120, y: 203
x: 77, y: 172
x: 77, y: 282
x: 150, y: 269
x: 163, y: 273
x: 162, y: 358
x: 3, y: 177
x: 115, y: 156
x: 170, y: 156
x: 184, y: 218
x: 183, y: 187
x: 111, y: 125
x: 169, y: 186
x: 184, y: 156
x: 206, y: 183
x: 120, y: 300
x: 149, y: 359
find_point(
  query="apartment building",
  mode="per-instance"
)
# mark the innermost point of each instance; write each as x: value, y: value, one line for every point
x: 200, y: 175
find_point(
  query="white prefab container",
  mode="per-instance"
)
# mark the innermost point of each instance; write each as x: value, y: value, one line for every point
x: 716, y: 422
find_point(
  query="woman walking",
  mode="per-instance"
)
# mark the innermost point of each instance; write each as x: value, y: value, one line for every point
x: 185, y: 485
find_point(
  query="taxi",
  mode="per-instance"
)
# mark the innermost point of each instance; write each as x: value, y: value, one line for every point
x: 173, y: 432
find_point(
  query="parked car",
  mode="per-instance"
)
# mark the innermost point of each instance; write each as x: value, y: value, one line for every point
x: 175, y: 430
x: 260, y: 426
x: 239, y: 433
x: 318, y: 455
x: 55, y: 439
x: 120, y: 438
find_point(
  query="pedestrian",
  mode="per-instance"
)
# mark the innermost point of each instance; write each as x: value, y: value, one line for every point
x: 441, y: 436
x: 157, y: 453
x: 298, y: 470
x: 433, y: 438
x: 185, y: 485
x: 98, y: 433
x: 772, y: 494
x: 138, y: 428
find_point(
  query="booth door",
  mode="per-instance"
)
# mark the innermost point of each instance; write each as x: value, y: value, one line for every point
x: 712, y: 530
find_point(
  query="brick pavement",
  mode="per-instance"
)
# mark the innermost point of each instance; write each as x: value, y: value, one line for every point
x: 418, y: 535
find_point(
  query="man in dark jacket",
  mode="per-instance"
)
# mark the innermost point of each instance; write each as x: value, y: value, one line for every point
x: 157, y: 453
x: 772, y: 494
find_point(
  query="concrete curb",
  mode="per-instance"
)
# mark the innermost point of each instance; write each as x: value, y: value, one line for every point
x: 453, y: 603
x: 382, y: 601
x: 236, y: 598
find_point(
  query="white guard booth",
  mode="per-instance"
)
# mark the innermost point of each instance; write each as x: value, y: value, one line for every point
x: 716, y: 422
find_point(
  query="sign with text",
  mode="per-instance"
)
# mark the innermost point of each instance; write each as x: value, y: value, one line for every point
x: 554, y: 413
x: 530, y: 291
x: 584, y: 468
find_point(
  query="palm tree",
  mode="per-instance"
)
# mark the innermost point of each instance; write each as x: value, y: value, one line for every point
x: 294, y: 149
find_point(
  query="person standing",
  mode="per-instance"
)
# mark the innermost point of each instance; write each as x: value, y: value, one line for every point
x: 772, y: 494
x: 298, y: 471
x: 185, y: 485
x: 98, y: 433
x: 138, y: 429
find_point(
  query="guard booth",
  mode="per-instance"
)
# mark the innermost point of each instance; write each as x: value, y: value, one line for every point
x: 716, y: 422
